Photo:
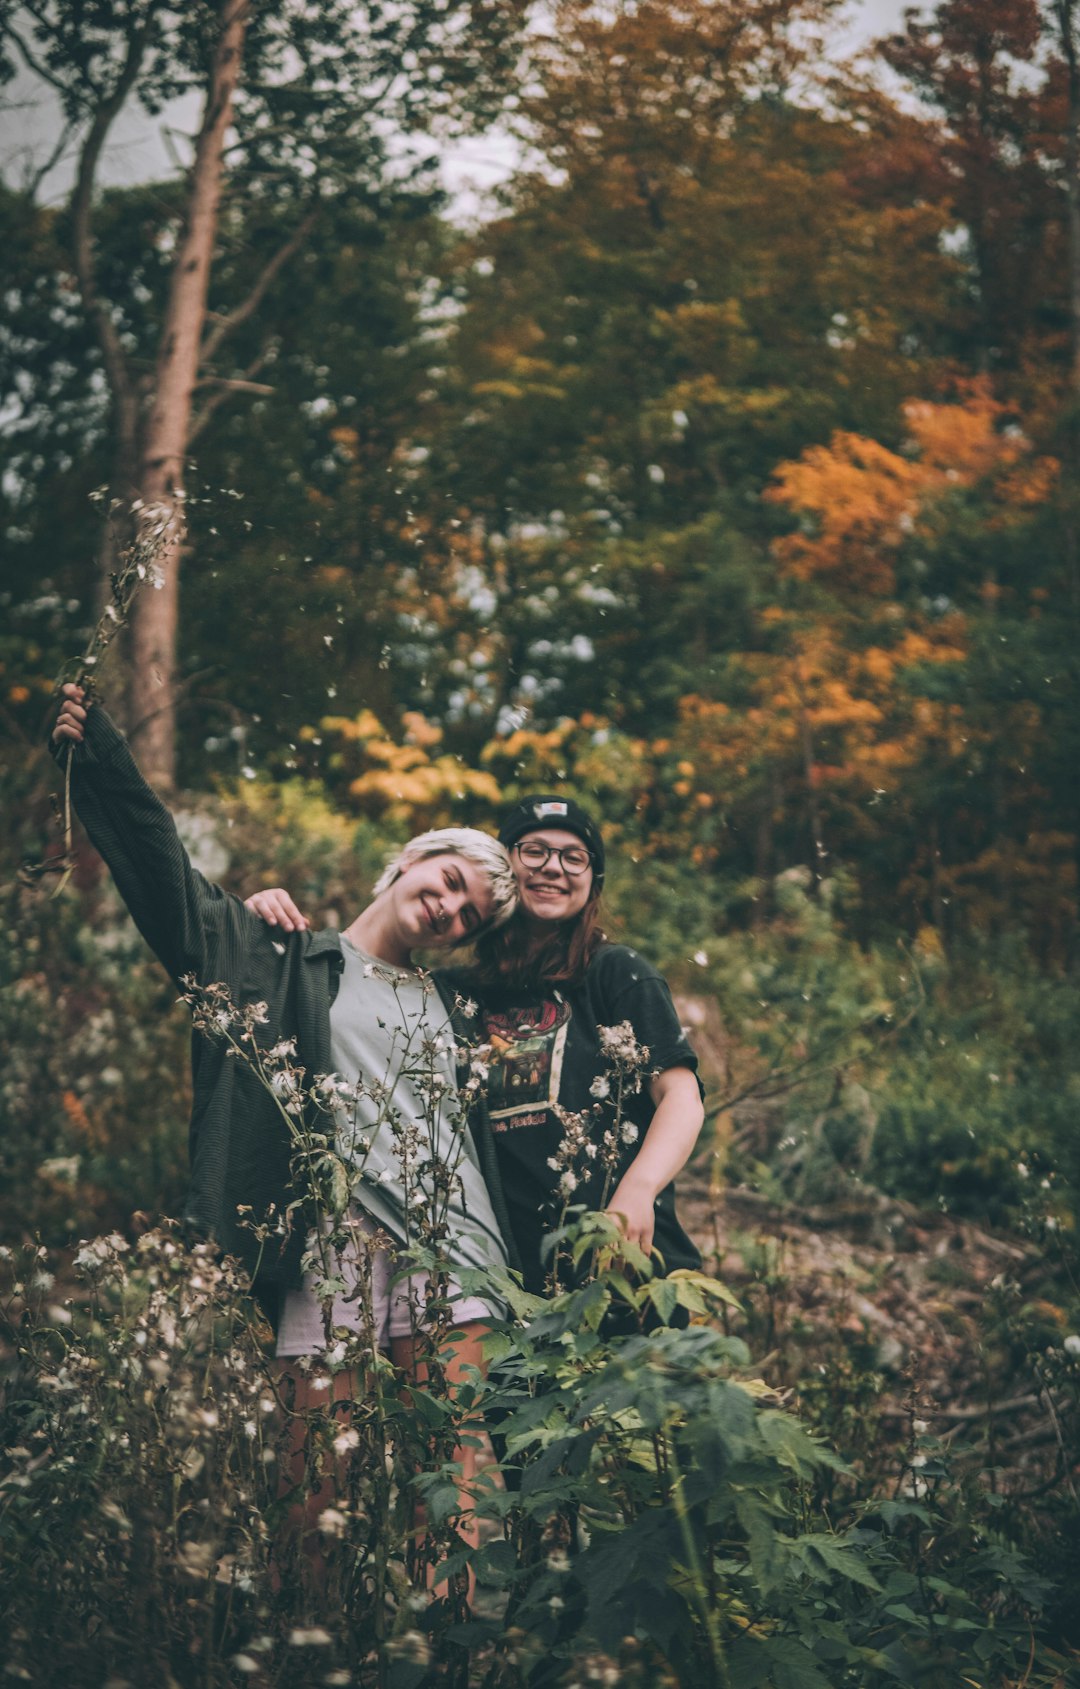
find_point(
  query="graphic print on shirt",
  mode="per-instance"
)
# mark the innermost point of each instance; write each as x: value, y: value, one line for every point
x: 527, y: 1047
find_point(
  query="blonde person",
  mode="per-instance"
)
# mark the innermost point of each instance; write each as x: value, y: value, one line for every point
x: 354, y: 1006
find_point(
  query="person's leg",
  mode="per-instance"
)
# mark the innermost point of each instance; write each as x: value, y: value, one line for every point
x: 312, y: 1472
x: 461, y: 1353
x: 318, y: 1401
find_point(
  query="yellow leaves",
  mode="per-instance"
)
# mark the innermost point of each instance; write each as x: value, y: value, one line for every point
x: 928, y: 946
x: 506, y: 350
x: 518, y: 390
x: 705, y: 393
x: 523, y: 375
x: 497, y: 390
x: 364, y: 726
x: 396, y: 778
x: 540, y: 752
x: 419, y: 730
x: 403, y: 789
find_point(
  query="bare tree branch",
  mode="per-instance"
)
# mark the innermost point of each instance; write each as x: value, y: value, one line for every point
x: 165, y: 435
x: 234, y: 384
x: 35, y: 178
x: 34, y: 64
x: 250, y: 305
x: 116, y: 363
x: 224, y: 388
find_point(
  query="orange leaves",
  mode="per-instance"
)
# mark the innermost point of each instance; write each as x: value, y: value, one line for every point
x: 825, y: 711
x: 966, y: 440
x: 858, y: 502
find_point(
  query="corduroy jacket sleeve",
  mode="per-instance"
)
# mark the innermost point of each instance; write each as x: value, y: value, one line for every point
x: 192, y: 925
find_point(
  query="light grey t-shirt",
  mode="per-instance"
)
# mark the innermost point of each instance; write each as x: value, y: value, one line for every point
x: 389, y: 1030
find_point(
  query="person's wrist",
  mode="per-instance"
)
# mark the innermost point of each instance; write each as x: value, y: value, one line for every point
x: 638, y: 1186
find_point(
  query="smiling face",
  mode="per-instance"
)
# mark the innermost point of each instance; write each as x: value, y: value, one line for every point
x: 440, y: 901
x: 549, y: 893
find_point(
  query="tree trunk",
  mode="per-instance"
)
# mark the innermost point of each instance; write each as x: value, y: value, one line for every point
x: 1066, y: 11
x: 160, y: 518
x: 1065, y: 15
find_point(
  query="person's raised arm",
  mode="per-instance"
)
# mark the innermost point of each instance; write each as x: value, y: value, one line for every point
x: 186, y: 920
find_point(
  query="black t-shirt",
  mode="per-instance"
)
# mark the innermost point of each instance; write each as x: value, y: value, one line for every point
x: 546, y: 1049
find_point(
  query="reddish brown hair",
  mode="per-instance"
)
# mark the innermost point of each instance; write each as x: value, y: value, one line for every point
x: 515, y: 955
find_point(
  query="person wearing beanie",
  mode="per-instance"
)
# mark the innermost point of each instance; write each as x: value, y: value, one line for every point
x: 551, y: 990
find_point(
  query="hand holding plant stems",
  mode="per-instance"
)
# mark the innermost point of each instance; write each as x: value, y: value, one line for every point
x: 138, y: 565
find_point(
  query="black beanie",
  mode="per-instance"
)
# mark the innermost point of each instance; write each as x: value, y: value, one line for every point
x: 533, y: 813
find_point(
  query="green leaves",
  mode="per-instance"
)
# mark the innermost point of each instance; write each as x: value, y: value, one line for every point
x: 687, y: 1485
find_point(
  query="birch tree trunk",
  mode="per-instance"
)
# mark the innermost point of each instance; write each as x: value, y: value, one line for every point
x: 152, y: 695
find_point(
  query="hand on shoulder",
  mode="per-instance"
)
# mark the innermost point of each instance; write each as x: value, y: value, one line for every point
x: 277, y: 909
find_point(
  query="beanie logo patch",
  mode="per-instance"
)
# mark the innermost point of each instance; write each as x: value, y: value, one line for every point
x: 542, y: 809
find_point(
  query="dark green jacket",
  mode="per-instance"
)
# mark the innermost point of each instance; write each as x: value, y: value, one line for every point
x: 239, y: 1145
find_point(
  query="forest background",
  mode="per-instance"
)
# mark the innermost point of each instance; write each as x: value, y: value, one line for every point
x: 727, y: 477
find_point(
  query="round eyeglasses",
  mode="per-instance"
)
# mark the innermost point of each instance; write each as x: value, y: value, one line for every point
x: 573, y: 859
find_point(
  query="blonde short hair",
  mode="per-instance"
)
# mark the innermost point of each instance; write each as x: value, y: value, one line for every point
x: 477, y: 847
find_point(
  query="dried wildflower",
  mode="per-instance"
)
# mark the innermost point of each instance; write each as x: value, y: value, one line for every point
x: 620, y: 1046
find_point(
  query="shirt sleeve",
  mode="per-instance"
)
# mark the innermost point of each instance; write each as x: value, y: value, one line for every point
x: 633, y: 990
x: 192, y: 925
